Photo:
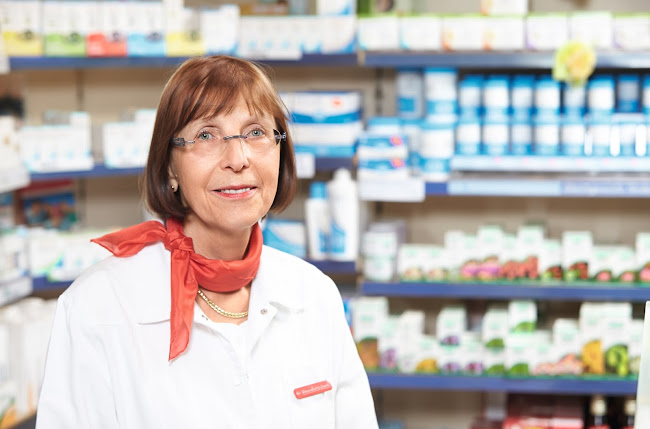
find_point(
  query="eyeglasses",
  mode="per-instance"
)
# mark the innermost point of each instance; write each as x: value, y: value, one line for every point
x: 208, y: 141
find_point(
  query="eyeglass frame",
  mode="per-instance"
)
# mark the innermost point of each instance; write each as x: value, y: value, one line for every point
x: 181, y: 142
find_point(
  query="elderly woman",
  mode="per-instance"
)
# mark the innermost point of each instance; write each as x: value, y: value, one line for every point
x: 195, y: 323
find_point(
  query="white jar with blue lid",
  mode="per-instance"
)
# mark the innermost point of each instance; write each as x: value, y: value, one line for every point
x: 627, y: 93
x: 441, y: 95
x: 470, y: 95
x: 575, y: 100
x: 646, y: 95
x: 412, y: 130
x: 546, y: 135
x: 468, y: 135
x: 521, y: 136
x: 436, y: 151
x: 599, y: 132
x: 522, y: 95
x: 410, y: 93
x: 495, y: 136
x: 629, y: 134
x: 496, y: 96
x: 600, y: 96
x: 547, y: 96
x: 572, y: 136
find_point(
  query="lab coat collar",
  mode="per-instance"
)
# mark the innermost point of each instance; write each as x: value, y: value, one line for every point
x: 272, y: 284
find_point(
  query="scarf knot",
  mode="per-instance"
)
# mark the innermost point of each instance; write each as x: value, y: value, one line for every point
x: 187, y: 269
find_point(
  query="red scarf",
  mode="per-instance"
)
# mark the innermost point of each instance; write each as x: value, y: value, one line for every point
x: 188, y: 269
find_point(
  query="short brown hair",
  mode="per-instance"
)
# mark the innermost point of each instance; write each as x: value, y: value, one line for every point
x: 203, y: 87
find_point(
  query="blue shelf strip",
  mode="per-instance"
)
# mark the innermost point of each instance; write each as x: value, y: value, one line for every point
x: 568, y: 386
x: 550, y: 164
x: 551, y: 292
x: 331, y: 164
x: 498, y: 60
x: 43, y: 284
x: 48, y: 63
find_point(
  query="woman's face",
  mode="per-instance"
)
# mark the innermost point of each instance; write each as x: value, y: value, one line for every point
x: 228, y: 184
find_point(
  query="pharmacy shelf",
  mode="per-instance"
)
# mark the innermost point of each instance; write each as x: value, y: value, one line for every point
x: 12, y: 178
x: 550, y: 164
x: 548, y: 292
x: 43, y: 284
x: 555, y: 386
x: 48, y: 63
x: 100, y: 170
x: 498, y: 60
x: 602, y: 187
x: 14, y: 290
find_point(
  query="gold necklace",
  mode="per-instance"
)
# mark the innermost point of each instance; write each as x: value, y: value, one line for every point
x: 220, y: 310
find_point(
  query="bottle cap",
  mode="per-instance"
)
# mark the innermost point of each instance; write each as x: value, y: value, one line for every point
x: 318, y: 190
x: 598, y: 406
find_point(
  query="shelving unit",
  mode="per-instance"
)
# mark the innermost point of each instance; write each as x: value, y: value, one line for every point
x: 567, y: 386
x: 547, y: 292
x: 14, y: 290
x: 12, y: 178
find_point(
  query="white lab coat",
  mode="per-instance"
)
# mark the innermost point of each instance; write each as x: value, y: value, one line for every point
x: 107, y: 364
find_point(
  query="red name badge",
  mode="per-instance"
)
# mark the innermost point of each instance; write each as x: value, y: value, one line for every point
x: 312, y: 389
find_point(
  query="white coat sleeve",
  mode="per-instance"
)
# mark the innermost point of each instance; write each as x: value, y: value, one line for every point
x: 355, y: 407
x: 76, y: 390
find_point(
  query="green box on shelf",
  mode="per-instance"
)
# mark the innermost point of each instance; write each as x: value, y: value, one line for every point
x: 65, y: 45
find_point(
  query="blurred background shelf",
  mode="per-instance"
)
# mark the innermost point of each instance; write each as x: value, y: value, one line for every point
x: 49, y: 63
x: 556, y: 386
x: 12, y: 178
x: 498, y: 60
x: 551, y: 164
x: 14, y: 290
x: 550, y: 292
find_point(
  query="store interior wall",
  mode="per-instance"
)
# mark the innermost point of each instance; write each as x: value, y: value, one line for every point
x: 108, y: 202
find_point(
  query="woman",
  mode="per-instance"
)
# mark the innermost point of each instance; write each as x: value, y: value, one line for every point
x: 195, y: 323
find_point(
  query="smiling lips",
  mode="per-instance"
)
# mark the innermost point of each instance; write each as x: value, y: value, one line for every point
x: 236, y: 191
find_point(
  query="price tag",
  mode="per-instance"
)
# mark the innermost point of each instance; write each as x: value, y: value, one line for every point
x: 410, y: 190
x: 305, y: 165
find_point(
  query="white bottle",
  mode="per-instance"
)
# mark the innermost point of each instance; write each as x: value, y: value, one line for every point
x: 344, y: 212
x: 317, y: 217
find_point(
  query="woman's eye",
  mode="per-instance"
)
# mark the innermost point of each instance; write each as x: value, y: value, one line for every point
x: 257, y: 133
x: 204, y: 135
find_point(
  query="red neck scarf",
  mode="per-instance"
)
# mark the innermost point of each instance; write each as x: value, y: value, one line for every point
x: 188, y: 269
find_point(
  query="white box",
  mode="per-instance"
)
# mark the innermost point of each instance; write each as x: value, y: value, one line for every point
x: 462, y: 32
x: 593, y: 28
x: 546, y: 31
x: 632, y: 32
x: 420, y: 33
x: 503, y: 33
x: 377, y: 33
x: 504, y: 7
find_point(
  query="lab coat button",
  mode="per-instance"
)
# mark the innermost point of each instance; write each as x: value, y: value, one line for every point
x: 264, y: 311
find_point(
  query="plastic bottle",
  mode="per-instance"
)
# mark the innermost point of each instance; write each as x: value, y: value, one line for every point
x: 317, y: 217
x: 344, y: 215
x: 598, y: 413
x: 629, y: 410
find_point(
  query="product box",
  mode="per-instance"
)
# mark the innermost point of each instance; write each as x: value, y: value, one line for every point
x: 495, y: 327
x: 546, y: 31
x: 471, y: 352
x: 543, y: 362
x: 520, y: 353
x: 631, y: 31
x: 643, y: 256
x: 450, y: 324
x: 415, y: 351
x: 616, y: 337
x: 21, y: 28
x: 286, y: 235
x: 378, y: 33
x: 108, y: 30
x: 454, y: 245
x: 339, y: 34
x: 510, y: 268
x: 13, y: 254
x: 550, y: 261
x: 145, y: 29
x: 220, y: 29
x: 369, y: 314
x: 269, y: 37
x: 379, y: 249
x: 592, y: 324
x: 183, y: 36
x: 530, y: 242
x: 567, y: 347
x: 375, y: 146
x: 576, y: 253
x: 504, y: 7
x: 494, y: 361
x: 490, y: 244
x: 635, y: 345
x: 593, y: 28
x: 469, y: 258
x: 522, y: 316
x: 420, y: 33
x: 336, y: 7
x: 436, y: 150
x: 76, y: 253
x: 65, y: 26
x: 388, y: 344
x: 503, y: 33
x: 422, y: 262
x: 462, y: 32
x: 450, y: 359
